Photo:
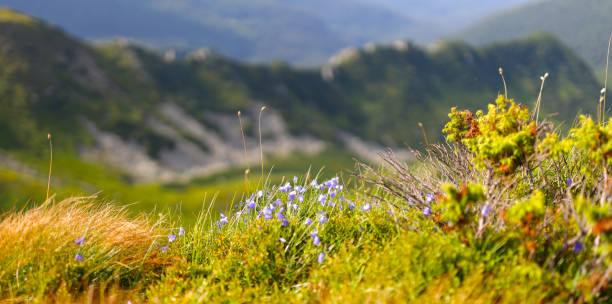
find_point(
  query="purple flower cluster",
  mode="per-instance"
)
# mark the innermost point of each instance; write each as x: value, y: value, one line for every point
x: 284, y: 206
x: 171, y: 238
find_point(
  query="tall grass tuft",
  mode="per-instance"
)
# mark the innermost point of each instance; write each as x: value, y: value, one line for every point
x: 76, y: 243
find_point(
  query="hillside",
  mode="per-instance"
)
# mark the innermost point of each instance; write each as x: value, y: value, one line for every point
x: 564, y: 18
x: 124, y: 108
x: 297, y: 31
x: 512, y: 212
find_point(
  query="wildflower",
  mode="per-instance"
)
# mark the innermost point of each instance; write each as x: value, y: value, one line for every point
x: 351, y: 206
x: 426, y: 211
x: 294, y: 206
x: 292, y: 195
x: 260, y: 193
x: 314, y: 233
x: 332, y: 193
x: 278, y: 202
x: 295, y: 179
x: 223, y: 221
x: 282, y: 240
x: 316, y: 240
x: 300, y: 199
x: 181, y: 231
x: 321, y: 257
x: 314, y: 183
x: 285, y: 188
x: 307, y: 222
x: 485, y: 211
x: 366, y: 207
x: 251, y: 203
x: 331, y: 203
x: 322, y: 199
x: 164, y: 249
x: 300, y: 189
x: 267, y: 212
x: 430, y: 197
x: 171, y: 238
x: 323, y: 218
x: 280, y: 216
x: 569, y: 182
x: 78, y: 258
x: 578, y: 247
x: 328, y: 184
x: 285, y: 223
x: 80, y: 241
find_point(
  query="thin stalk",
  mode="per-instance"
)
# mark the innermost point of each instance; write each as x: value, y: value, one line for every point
x: 424, y: 134
x: 539, y: 101
x: 246, y: 155
x: 50, y: 165
x: 603, y: 109
x: 261, y: 143
x: 501, y: 73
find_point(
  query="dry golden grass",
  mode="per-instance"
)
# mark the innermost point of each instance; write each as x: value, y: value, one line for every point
x: 37, y: 249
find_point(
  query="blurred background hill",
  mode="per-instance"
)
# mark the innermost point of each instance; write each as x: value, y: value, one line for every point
x: 142, y: 97
x: 584, y: 25
x: 297, y: 31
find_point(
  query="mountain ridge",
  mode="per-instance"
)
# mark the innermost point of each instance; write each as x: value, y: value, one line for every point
x: 563, y: 18
x: 178, y: 114
x: 296, y: 31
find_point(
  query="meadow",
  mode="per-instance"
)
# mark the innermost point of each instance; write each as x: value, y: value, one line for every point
x: 508, y: 210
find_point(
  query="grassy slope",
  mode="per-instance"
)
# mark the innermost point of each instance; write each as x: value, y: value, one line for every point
x: 369, y: 257
x: 564, y: 18
x: 72, y: 176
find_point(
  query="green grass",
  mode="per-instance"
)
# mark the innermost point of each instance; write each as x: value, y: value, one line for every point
x: 369, y: 257
x: 72, y: 176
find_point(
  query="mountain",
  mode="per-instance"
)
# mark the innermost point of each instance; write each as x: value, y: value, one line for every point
x: 296, y: 31
x: 260, y: 30
x: 445, y: 16
x: 584, y: 25
x: 155, y: 118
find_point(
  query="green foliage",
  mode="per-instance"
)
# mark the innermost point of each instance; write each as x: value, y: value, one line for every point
x: 591, y: 138
x: 461, y: 206
x: 528, y: 210
x: 504, y: 138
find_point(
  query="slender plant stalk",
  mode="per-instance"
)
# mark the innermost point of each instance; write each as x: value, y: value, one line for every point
x: 605, y: 93
x: 424, y: 134
x: 50, y: 164
x: 246, y: 155
x: 261, y: 142
x: 501, y: 73
x: 539, y: 101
